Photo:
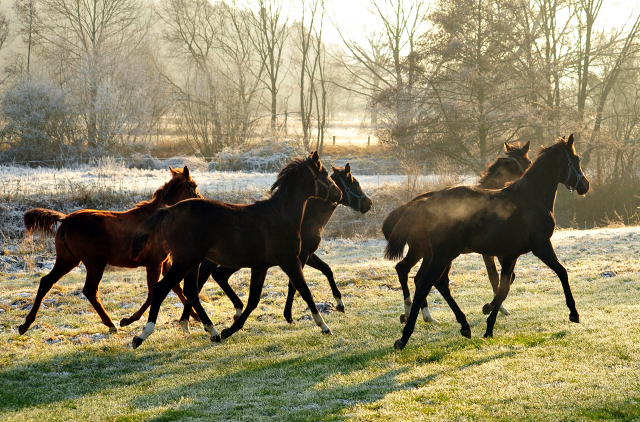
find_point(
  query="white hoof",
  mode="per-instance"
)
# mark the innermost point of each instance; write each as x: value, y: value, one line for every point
x: 426, y: 316
x: 185, y: 326
x: 504, y: 310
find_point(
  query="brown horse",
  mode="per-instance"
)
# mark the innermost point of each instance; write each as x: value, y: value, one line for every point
x: 505, y: 223
x: 496, y: 176
x: 258, y: 236
x: 101, y: 238
x: 316, y: 216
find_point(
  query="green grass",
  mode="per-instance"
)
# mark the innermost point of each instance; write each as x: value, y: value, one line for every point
x: 539, y: 366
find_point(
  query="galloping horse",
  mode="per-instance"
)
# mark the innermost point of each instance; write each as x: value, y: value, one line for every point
x: 98, y: 238
x: 316, y: 215
x: 497, y: 174
x: 505, y: 223
x: 259, y: 236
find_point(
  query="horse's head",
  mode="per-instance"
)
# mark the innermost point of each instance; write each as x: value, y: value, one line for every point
x: 572, y: 176
x: 518, y: 153
x: 325, y: 188
x: 180, y: 187
x: 352, y: 194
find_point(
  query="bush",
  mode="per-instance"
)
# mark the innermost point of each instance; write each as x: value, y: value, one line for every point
x: 39, y: 125
x: 266, y: 157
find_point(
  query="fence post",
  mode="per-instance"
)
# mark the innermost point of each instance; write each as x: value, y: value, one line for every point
x: 334, y: 140
x: 369, y: 140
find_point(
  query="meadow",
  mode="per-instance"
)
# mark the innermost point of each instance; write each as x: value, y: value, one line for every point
x: 539, y: 366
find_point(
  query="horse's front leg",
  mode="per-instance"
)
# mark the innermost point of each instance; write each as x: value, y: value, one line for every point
x: 508, y: 264
x: 293, y: 269
x: 255, y: 291
x: 443, y: 287
x: 315, y: 262
x: 547, y: 255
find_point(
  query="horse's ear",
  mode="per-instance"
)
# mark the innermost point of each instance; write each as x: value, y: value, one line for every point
x: 333, y: 169
x: 347, y: 168
x: 508, y: 147
x: 570, y: 141
x: 172, y: 170
x: 185, y: 172
x: 314, y: 156
x: 526, y: 146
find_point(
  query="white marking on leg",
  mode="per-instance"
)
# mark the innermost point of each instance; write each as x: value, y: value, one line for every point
x: 320, y: 322
x: 504, y: 310
x: 185, y: 326
x: 426, y: 315
x: 211, y: 330
x: 407, y: 306
x: 238, y: 313
x: 339, y: 301
x: 147, y: 330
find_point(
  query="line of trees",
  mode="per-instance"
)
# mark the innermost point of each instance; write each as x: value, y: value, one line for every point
x: 438, y: 80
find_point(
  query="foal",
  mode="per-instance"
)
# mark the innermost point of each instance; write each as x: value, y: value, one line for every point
x: 259, y: 236
x: 505, y: 223
x: 316, y: 216
x: 498, y: 174
x: 97, y: 238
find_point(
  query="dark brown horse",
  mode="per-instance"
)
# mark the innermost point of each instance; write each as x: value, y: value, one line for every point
x: 316, y: 216
x: 505, y: 223
x: 496, y: 176
x: 259, y: 236
x: 101, y: 238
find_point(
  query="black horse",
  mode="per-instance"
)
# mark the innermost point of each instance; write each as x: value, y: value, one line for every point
x: 496, y: 176
x: 316, y: 216
x: 259, y: 236
x: 505, y: 223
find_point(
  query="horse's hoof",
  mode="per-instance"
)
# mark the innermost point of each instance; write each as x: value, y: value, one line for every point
x: 466, y: 332
x: 431, y: 320
x: 216, y: 339
x: 22, y: 329
x: 487, y: 308
x: 184, y: 324
x: 574, y: 318
x: 289, y: 319
x: 124, y: 322
x: 504, y: 311
x: 226, y: 333
x: 488, y: 335
x: 327, y: 331
x: 113, y: 330
x: 399, y: 345
x: 340, y: 308
x: 403, y: 319
x: 236, y: 317
x: 137, y: 341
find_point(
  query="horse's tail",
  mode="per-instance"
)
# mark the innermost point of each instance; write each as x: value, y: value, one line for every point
x: 392, y: 219
x: 407, y: 223
x: 141, y: 241
x: 42, y: 220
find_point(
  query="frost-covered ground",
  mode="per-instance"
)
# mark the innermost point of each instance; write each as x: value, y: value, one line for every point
x: 48, y: 181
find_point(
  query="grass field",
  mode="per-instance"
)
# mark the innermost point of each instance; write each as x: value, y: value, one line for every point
x: 539, y: 366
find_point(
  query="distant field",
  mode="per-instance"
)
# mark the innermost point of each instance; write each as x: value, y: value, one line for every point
x: 539, y: 366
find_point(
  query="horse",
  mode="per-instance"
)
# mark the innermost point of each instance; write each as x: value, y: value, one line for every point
x: 496, y: 176
x: 258, y: 236
x: 101, y: 238
x: 506, y: 223
x: 316, y: 216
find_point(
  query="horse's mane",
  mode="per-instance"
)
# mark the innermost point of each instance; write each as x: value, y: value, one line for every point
x: 159, y: 194
x: 493, y: 168
x: 544, y: 151
x: 288, y: 173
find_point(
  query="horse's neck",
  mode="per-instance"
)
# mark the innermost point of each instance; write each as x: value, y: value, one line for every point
x: 541, y: 181
x: 318, y: 212
x: 294, y: 205
x: 149, y: 207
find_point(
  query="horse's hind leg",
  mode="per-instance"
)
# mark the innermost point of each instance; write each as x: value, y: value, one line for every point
x: 403, y: 268
x: 90, y: 290
x: 153, y: 275
x: 65, y: 262
x: 192, y: 291
x: 160, y: 292
x: 255, y: 291
x: 221, y: 275
x: 508, y: 263
x: 443, y: 287
x: 320, y: 265
x: 494, y: 278
x: 426, y: 313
